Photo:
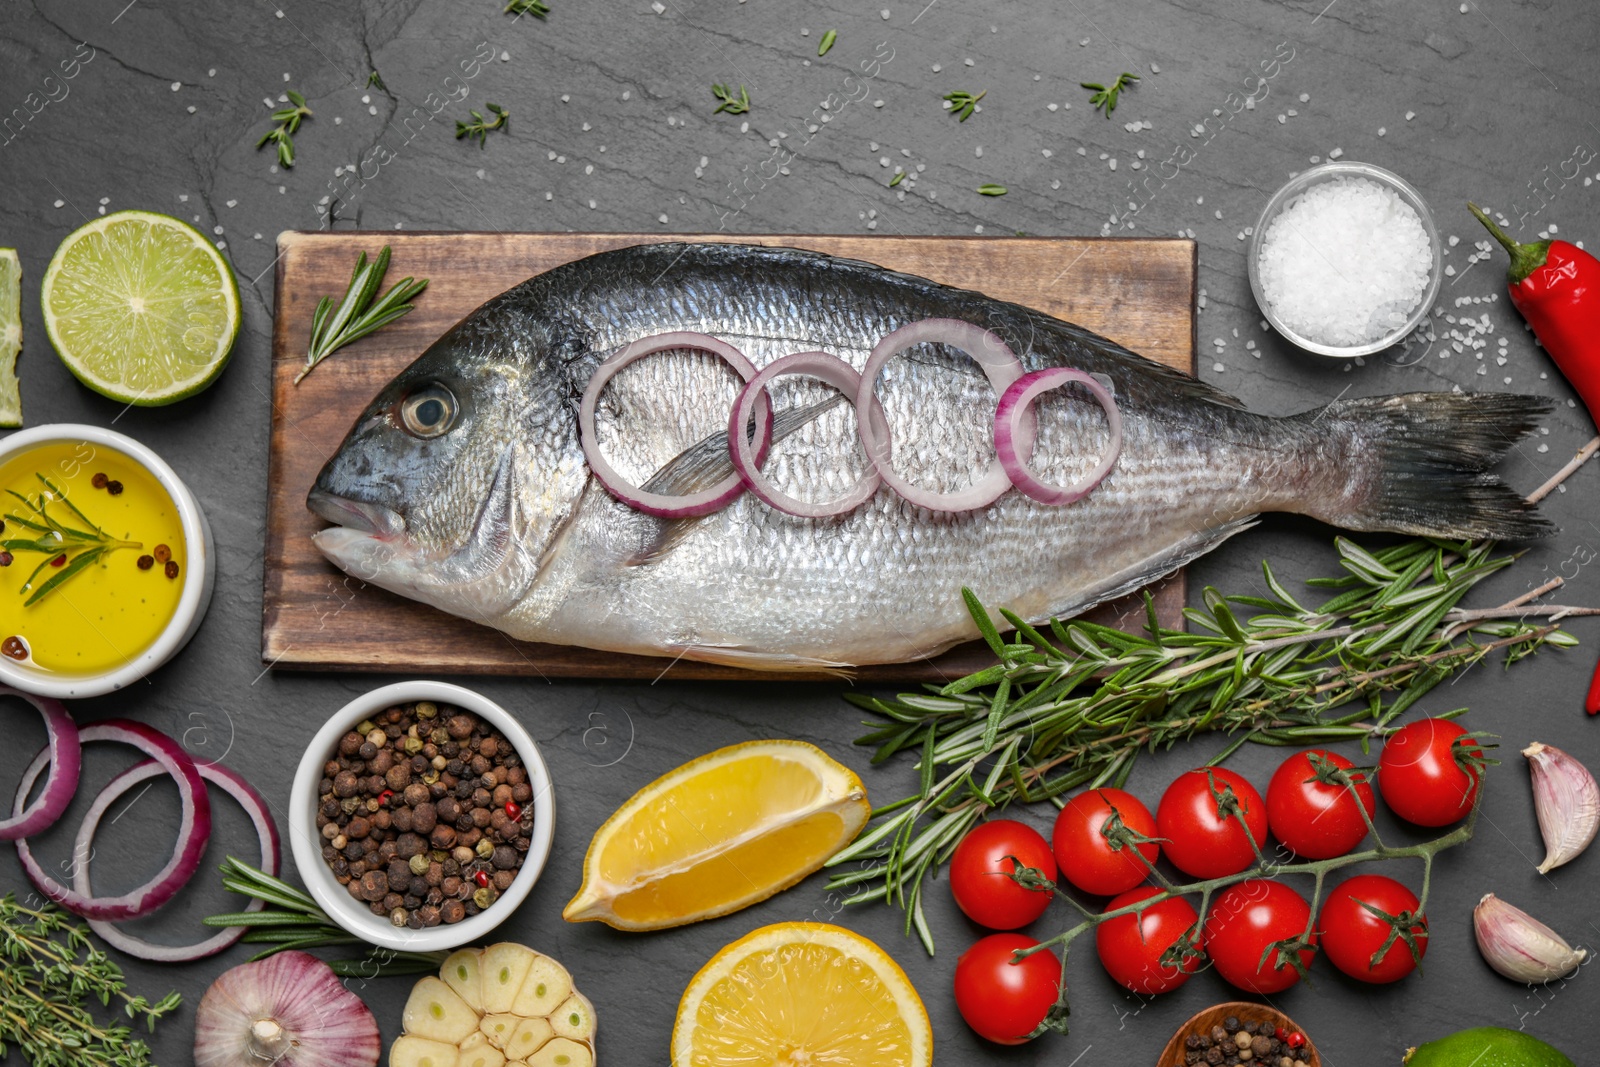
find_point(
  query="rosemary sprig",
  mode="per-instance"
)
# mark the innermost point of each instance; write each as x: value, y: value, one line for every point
x: 1076, y: 707
x: 292, y: 920
x: 479, y: 129
x: 52, y: 972
x: 69, y: 548
x: 527, y: 7
x: 960, y: 104
x: 356, y: 314
x: 826, y: 42
x: 733, y: 105
x: 1105, y: 96
x: 288, y: 120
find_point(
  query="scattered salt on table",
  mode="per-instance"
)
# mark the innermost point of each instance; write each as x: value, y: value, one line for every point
x: 1345, y: 262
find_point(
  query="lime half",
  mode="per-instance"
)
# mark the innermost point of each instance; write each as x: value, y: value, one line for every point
x: 141, y: 307
x: 10, y: 338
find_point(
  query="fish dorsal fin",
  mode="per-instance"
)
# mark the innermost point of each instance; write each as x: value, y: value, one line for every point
x: 702, y: 465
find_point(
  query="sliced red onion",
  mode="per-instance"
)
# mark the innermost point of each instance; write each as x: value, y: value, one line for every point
x: 194, y: 827
x: 66, y: 761
x: 1013, y: 452
x: 288, y: 1010
x: 230, y: 783
x: 999, y: 364
x: 662, y: 505
x: 837, y: 373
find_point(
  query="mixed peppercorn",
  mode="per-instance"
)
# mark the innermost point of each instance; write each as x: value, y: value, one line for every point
x: 1245, y: 1042
x: 425, y: 814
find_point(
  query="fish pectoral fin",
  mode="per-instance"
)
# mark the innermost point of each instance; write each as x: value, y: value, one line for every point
x: 702, y: 465
x: 755, y: 660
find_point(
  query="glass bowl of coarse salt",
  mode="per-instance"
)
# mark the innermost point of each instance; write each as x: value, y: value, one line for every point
x: 1345, y: 259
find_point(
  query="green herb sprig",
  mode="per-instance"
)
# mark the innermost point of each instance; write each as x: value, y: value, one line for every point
x: 76, y: 543
x: 1076, y: 706
x: 527, y: 7
x: 826, y: 42
x: 288, y: 120
x: 961, y: 103
x: 52, y: 972
x: 1106, y: 96
x: 733, y: 105
x: 991, y: 189
x: 375, y: 80
x: 479, y: 129
x: 356, y: 314
x: 292, y: 920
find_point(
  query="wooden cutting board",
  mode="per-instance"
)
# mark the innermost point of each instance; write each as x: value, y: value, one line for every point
x: 1138, y: 292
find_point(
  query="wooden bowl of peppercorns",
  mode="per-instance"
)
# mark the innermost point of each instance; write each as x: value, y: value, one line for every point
x: 1240, y: 1033
x: 422, y: 816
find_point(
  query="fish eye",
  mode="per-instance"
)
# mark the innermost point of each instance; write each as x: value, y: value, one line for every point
x: 429, y: 411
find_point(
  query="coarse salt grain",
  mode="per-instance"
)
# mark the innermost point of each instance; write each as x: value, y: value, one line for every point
x: 1345, y: 262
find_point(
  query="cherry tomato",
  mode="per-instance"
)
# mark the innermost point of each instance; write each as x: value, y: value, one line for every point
x: 1195, y: 838
x: 1130, y: 946
x: 1245, y: 920
x: 1086, y: 858
x: 1005, y: 1001
x: 1352, y: 935
x: 1316, y: 819
x: 1420, y: 777
x: 980, y: 874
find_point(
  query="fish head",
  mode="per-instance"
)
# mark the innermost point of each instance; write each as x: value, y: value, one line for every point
x: 458, y: 476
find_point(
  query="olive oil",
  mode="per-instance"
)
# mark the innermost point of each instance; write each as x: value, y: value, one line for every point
x: 113, y: 609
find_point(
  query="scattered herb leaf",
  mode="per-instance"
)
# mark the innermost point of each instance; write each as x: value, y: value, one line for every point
x: 375, y: 81
x: 288, y: 121
x: 356, y: 314
x: 961, y: 103
x: 899, y: 177
x: 991, y: 189
x: 75, y: 546
x: 527, y: 7
x: 1104, y: 97
x: 733, y: 105
x: 827, y: 42
x: 479, y: 128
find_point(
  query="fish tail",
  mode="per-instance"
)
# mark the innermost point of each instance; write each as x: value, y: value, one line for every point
x: 1420, y: 464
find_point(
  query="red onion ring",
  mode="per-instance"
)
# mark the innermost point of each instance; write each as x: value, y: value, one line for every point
x: 1016, y: 401
x: 999, y: 364
x: 194, y: 830
x: 662, y: 505
x: 230, y: 783
x: 66, y: 762
x: 837, y: 373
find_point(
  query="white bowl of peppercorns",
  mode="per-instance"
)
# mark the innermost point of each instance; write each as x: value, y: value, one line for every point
x: 423, y: 816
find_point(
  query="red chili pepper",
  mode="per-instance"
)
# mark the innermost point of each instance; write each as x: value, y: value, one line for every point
x: 482, y: 878
x: 1592, y: 705
x: 385, y: 796
x: 513, y: 812
x: 1556, y: 286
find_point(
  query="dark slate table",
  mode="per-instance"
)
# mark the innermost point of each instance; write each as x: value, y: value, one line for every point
x: 612, y: 130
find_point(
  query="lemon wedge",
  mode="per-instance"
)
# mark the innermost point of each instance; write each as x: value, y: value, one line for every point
x: 799, y: 993
x: 718, y: 834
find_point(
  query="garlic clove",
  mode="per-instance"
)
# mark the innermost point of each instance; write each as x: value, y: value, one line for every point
x: 1519, y: 946
x: 1567, y: 802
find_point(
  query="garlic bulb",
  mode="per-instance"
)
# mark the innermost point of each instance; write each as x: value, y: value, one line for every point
x: 289, y: 1010
x: 1519, y: 946
x: 1567, y: 802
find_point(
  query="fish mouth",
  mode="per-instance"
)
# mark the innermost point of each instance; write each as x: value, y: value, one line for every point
x: 374, y: 520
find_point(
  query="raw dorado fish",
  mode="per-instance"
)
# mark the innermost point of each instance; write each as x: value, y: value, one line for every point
x: 491, y: 512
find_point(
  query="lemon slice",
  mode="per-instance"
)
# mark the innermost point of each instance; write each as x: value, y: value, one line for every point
x: 718, y: 834
x: 141, y: 307
x: 799, y: 993
x: 10, y: 338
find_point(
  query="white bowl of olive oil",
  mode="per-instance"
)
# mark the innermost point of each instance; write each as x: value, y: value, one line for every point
x: 106, y: 561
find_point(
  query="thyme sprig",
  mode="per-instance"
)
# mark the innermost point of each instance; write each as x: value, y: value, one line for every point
x: 1283, y: 953
x: 1076, y: 707
x: 733, y: 105
x: 357, y: 314
x: 52, y: 971
x: 292, y: 920
x: 1105, y: 96
x: 960, y: 104
x: 288, y: 121
x: 480, y: 128
x: 70, y: 546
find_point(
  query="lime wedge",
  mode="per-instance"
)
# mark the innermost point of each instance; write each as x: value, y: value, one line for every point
x: 141, y: 307
x: 10, y: 338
